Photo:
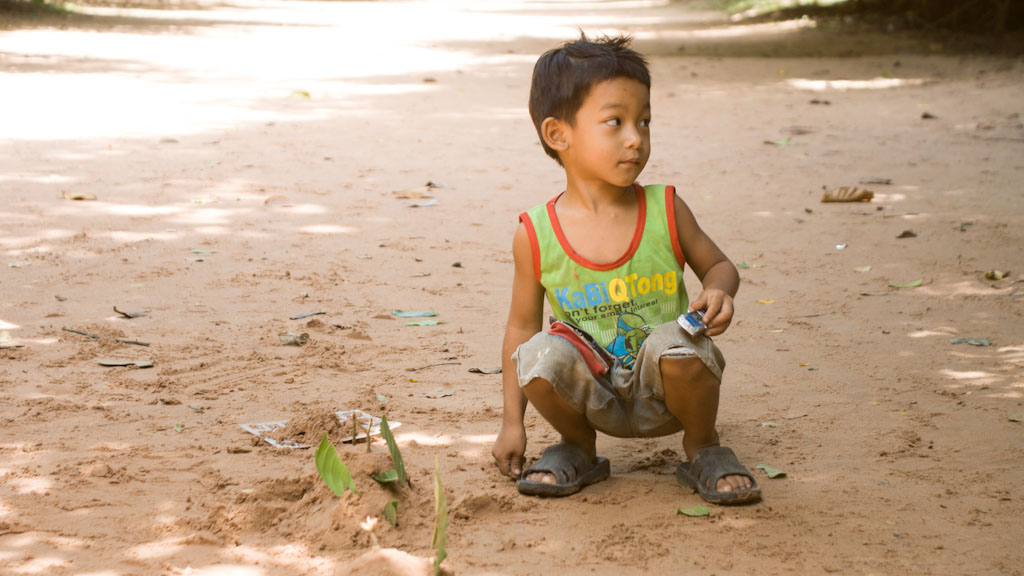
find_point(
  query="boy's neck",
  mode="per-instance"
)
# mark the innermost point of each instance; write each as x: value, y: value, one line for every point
x: 595, y: 196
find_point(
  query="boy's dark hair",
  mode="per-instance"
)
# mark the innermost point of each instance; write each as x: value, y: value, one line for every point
x: 563, y: 76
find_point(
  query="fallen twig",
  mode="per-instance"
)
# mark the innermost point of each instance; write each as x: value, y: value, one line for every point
x: 901, y: 214
x: 431, y: 366
x: 95, y: 336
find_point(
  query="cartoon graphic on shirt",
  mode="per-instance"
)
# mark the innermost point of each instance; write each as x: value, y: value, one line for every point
x: 632, y: 331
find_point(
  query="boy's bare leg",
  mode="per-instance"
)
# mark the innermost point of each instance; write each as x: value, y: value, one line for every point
x: 691, y: 395
x: 573, y: 427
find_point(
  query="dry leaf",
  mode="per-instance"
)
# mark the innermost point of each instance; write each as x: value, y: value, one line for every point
x: 293, y: 339
x: 913, y: 284
x: 279, y: 200
x: 417, y: 192
x: 847, y: 194
x: 78, y: 196
x: 132, y: 314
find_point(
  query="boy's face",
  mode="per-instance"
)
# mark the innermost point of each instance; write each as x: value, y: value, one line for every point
x: 610, y: 140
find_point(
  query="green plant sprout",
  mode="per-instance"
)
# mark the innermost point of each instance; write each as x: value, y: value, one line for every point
x: 333, y: 471
x: 396, y: 456
x: 390, y: 512
x: 439, y: 539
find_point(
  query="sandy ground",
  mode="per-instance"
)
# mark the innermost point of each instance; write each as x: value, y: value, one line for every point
x: 901, y: 453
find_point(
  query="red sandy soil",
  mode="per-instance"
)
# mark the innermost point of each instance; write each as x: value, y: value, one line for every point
x: 899, y: 447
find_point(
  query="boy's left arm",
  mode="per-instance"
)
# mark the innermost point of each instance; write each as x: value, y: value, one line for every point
x: 716, y: 272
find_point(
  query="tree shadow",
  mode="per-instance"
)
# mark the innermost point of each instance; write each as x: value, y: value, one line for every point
x: 991, y: 26
x: 35, y: 14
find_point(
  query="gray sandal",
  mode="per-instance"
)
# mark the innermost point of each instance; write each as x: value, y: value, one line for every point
x: 711, y: 465
x: 570, y: 467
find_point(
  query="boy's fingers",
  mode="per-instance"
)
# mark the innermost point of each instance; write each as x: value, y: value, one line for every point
x: 503, y: 464
x: 511, y: 467
x: 711, y: 312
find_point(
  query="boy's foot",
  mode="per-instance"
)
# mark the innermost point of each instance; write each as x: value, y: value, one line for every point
x: 711, y: 465
x: 562, y: 470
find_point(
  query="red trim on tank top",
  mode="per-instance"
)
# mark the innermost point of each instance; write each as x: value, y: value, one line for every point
x: 673, y: 231
x: 638, y: 234
x: 534, y: 244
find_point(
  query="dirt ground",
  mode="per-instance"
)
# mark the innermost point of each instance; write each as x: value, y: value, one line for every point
x: 901, y: 450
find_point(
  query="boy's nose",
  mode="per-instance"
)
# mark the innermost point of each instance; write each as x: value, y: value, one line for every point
x: 633, y: 139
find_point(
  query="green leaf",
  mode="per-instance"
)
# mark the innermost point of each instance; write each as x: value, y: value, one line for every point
x: 382, y: 399
x: 300, y: 94
x: 971, y: 341
x: 396, y: 456
x: 695, y: 511
x: 179, y: 427
x: 424, y: 323
x: 413, y: 314
x: 387, y: 476
x: 913, y: 284
x: 439, y: 540
x: 1017, y: 417
x: 771, y: 472
x: 390, y: 512
x: 333, y: 471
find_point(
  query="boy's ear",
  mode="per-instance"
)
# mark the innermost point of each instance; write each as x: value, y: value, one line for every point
x: 555, y: 134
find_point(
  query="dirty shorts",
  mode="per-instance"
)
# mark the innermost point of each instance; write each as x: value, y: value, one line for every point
x: 622, y: 402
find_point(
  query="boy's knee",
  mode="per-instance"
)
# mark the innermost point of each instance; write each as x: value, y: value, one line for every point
x: 685, y: 371
x: 537, y: 388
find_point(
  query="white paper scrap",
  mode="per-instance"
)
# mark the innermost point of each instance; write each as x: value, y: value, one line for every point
x: 266, y: 430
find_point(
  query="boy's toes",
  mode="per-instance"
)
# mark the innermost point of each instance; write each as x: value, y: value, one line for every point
x: 545, y: 477
x: 733, y: 483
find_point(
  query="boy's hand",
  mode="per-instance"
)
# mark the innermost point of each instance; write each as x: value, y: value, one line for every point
x: 717, y: 307
x: 509, y: 449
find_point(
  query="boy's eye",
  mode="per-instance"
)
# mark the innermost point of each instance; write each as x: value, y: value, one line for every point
x: 646, y: 122
x: 613, y: 122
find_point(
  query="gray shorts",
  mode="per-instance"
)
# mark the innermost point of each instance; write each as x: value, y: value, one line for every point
x: 624, y: 402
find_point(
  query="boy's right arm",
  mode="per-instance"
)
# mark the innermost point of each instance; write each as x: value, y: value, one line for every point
x: 525, y: 318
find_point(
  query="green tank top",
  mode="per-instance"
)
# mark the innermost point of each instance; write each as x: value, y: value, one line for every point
x: 620, y: 302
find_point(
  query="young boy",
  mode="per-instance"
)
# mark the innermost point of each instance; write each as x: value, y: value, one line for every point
x: 609, y: 254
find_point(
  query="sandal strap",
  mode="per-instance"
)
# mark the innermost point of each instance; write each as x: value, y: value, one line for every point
x: 715, y: 462
x: 563, y: 461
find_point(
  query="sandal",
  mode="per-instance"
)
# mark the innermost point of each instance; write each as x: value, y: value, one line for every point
x: 708, y: 467
x: 570, y: 467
